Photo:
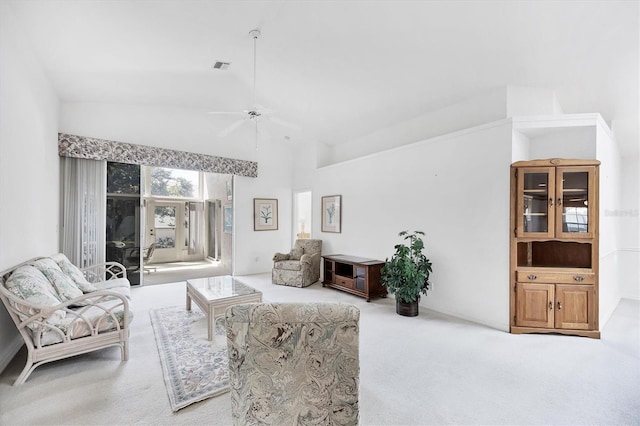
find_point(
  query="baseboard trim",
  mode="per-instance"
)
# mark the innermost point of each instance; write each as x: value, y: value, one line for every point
x: 10, y: 351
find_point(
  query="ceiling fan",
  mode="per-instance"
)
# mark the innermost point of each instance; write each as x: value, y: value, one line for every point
x: 255, y: 113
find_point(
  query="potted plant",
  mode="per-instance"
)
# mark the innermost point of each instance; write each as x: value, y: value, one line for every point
x: 406, y: 274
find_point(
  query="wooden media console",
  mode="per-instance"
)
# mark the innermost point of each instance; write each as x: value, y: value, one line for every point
x: 355, y: 275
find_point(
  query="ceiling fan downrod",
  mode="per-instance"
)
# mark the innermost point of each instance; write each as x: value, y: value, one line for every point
x: 254, y: 34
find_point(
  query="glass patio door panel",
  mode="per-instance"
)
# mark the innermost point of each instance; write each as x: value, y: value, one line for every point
x: 535, y: 202
x: 165, y: 228
x: 575, y: 189
x: 123, y: 218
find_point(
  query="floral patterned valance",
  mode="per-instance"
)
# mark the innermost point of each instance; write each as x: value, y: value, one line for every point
x: 100, y: 149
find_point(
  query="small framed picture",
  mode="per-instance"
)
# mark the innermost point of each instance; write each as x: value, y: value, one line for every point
x: 332, y: 213
x: 265, y: 214
x: 228, y: 219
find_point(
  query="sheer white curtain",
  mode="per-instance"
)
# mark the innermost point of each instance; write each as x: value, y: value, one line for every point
x: 84, y: 199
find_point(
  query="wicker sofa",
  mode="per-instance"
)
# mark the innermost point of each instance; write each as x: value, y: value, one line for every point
x: 62, y: 311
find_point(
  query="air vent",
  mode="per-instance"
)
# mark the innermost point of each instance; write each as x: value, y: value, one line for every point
x: 221, y: 65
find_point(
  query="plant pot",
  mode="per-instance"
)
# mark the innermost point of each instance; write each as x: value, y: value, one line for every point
x: 407, y: 309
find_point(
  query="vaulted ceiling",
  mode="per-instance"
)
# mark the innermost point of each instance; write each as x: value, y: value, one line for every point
x: 340, y: 69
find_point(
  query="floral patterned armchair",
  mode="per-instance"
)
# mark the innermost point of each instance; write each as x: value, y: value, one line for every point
x: 294, y: 363
x: 300, y: 267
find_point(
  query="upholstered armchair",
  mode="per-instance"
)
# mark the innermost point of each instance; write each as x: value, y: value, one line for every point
x: 300, y: 267
x: 294, y: 363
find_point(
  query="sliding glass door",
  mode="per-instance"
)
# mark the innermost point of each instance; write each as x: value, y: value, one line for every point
x: 123, y: 218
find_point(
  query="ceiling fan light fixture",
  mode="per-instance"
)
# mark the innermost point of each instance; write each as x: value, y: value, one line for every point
x: 254, y: 33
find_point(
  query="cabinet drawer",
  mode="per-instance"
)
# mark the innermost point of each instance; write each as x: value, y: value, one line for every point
x: 555, y: 277
x: 344, y: 281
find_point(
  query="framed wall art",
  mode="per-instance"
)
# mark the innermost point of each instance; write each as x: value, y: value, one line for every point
x: 265, y: 214
x: 332, y: 213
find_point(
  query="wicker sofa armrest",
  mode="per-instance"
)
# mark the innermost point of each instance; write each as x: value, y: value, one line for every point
x: 104, y: 272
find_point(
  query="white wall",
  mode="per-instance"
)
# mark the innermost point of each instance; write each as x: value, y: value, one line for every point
x: 483, y: 108
x: 628, y: 218
x: 29, y: 164
x: 573, y: 142
x: 520, y: 147
x: 610, y: 281
x: 455, y: 188
x: 253, y: 250
x: 531, y: 101
x: 196, y: 131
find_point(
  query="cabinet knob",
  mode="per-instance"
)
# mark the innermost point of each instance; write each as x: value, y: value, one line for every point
x: 559, y: 305
x: 559, y: 201
x: 550, y: 306
x: 532, y: 277
x: 550, y: 201
x: 578, y: 278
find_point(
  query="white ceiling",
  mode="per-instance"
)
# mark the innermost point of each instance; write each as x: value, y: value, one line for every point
x: 341, y: 69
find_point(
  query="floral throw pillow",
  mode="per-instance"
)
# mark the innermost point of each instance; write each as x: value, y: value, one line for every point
x: 74, y: 272
x: 64, y: 285
x: 31, y: 285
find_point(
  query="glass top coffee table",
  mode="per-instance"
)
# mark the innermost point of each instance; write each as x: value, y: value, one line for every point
x: 214, y: 295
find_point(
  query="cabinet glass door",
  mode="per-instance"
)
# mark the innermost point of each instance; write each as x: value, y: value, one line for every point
x: 535, y: 202
x: 575, y: 188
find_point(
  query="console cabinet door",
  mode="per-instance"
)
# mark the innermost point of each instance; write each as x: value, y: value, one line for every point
x: 534, y: 305
x: 575, y: 307
x: 329, y: 271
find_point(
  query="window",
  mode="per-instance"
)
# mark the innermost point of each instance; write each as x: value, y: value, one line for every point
x: 173, y: 183
x: 123, y: 178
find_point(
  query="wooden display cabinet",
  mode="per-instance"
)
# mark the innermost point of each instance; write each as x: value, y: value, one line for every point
x: 355, y: 275
x: 554, y: 247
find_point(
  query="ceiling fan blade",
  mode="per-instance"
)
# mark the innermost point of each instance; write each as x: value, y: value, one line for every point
x: 284, y: 123
x: 263, y: 131
x: 261, y: 110
x: 224, y: 132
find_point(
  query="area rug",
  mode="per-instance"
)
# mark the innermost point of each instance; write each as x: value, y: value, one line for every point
x: 194, y: 368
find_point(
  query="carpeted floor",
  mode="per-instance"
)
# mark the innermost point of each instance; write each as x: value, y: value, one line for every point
x: 428, y: 370
x: 172, y: 272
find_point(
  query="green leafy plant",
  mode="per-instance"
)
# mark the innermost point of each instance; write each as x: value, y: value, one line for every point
x: 406, y: 274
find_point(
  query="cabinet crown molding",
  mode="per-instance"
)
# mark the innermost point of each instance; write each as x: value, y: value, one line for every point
x: 550, y: 162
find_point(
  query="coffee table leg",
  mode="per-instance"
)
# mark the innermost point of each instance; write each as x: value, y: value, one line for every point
x: 212, y: 324
x: 188, y: 301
